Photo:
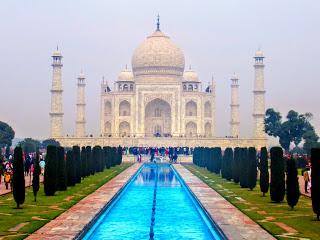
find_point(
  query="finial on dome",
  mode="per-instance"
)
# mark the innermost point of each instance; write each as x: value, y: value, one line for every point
x: 126, y: 66
x: 158, y: 22
x: 189, y: 66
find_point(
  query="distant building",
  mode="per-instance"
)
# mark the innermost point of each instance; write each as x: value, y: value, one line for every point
x: 158, y: 103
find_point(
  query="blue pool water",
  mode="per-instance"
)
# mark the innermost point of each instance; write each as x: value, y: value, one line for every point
x: 155, y: 200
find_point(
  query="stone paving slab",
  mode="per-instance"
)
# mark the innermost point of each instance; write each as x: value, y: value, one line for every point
x: 231, y: 220
x: 70, y: 223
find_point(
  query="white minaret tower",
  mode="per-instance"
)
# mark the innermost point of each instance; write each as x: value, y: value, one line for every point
x: 81, y: 107
x: 213, y: 106
x: 56, y: 113
x: 258, y: 94
x: 235, y: 112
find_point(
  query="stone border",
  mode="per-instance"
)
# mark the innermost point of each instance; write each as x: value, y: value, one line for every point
x: 233, y: 223
x: 71, y: 223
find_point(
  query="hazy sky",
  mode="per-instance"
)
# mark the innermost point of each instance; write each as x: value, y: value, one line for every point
x: 217, y: 37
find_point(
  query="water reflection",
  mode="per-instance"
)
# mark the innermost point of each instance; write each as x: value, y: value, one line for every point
x: 164, y: 174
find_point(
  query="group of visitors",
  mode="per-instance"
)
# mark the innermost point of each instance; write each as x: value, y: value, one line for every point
x: 6, y: 168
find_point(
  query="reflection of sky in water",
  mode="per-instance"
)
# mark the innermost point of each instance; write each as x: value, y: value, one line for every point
x: 165, y: 175
x: 176, y: 216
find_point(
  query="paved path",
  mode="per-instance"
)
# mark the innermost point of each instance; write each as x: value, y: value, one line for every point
x: 231, y: 220
x: 28, y: 182
x: 70, y: 223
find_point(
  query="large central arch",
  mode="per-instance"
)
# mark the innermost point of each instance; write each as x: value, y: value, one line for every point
x: 157, y: 118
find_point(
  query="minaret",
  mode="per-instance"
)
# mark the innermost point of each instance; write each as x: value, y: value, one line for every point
x: 213, y: 106
x: 258, y: 94
x: 81, y: 107
x: 56, y: 113
x: 235, y: 113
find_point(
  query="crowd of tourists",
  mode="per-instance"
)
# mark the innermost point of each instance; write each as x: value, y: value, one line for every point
x: 6, y: 168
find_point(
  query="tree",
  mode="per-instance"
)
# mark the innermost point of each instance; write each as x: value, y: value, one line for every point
x: 83, y: 162
x: 296, y: 128
x: 277, y: 185
x: 89, y: 161
x: 62, y: 173
x: 236, y: 165
x: 77, y: 162
x: 227, y: 159
x: 96, y: 158
x: 50, y: 173
x: 30, y: 145
x: 252, y: 168
x: 293, y: 192
x: 36, y: 177
x: 272, y: 122
x: 264, y: 171
x: 315, y: 181
x: 6, y: 134
x: 310, y: 139
x: 18, y: 183
x: 119, y: 155
x: 71, y: 169
x: 243, y: 168
x: 45, y: 143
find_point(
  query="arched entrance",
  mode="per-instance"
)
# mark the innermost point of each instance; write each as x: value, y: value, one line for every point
x: 157, y: 118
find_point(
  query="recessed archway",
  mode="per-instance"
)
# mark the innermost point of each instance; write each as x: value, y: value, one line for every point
x: 157, y: 118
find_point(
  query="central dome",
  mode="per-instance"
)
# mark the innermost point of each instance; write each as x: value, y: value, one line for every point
x: 158, y: 55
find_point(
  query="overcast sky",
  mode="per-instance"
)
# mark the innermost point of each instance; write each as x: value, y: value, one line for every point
x: 99, y: 36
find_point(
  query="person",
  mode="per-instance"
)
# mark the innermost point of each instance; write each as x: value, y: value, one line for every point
x: 8, y: 175
x: 309, y: 183
x: 306, y: 180
x: 42, y: 164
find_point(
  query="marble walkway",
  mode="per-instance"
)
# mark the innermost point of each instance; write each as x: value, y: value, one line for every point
x: 231, y: 221
x: 70, y: 223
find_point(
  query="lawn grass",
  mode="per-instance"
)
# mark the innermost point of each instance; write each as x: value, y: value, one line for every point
x: 37, y: 214
x: 262, y: 210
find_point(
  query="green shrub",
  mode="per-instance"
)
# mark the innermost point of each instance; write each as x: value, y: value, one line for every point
x: 71, y: 169
x: 264, y: 171
x: 18, y: 182
x: 252, y: 168
x: 277, y: 185
x: 62, y: 173
x: 36, y: 177
x: 50, y: 173
x: 293, y: 191
x: 236, y: 165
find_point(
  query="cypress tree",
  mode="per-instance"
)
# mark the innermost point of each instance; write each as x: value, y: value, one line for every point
x: 218, y: 160
x: 18, y: 183
x: 108, y: 157
x: 293, y: 191
x: 36, y: 177
x: 224, y: 165
x: 88, y: 160
x: 119, y: 159
x: 228, y: 163
x: 252, y: 168
x: 50, y: 173
x: 62, y: 173
x: 102, y: 161
x: 236, y: 165
x: 77, y: 163
x: 243, y: 168
x: 264, y: 171
x: 83, y: 162
x: 71, y: 169
x: 277, y: 185
x: 315, y: 181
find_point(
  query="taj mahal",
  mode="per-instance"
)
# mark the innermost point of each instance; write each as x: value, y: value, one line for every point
x: 158, y: 103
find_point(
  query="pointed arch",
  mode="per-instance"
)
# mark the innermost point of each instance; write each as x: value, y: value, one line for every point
x: 124, y: 108
x: 191, y: 129
x: 191, y: 108
x: 124, y: 129
x: 207, y: 109
x: 208, y: 130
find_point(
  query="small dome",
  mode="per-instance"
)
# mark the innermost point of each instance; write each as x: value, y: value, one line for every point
x: 125, y: 75
x: 259, y: 53
x: 190, y: 76
x: 158, y: 55
x: 81, y: 75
